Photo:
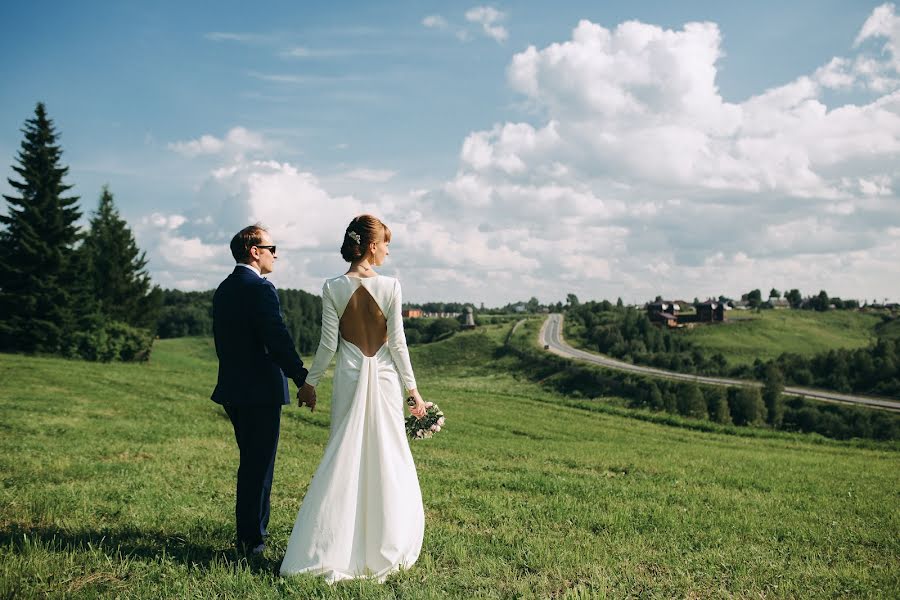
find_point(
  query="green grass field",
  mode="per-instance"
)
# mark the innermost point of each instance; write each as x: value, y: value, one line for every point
x: 118, y: 481
x: 747, y: 336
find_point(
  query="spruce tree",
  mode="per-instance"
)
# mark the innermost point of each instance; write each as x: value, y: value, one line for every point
x: 120, y: 280
x: 38, y: 262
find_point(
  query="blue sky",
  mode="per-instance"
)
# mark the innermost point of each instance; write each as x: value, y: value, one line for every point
x: 314, y: 111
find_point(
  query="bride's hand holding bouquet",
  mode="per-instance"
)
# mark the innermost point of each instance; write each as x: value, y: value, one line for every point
x: 425, y: 418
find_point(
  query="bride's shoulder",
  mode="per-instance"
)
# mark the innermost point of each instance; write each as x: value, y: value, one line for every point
x: 387, y: 282
x: 331, y: 282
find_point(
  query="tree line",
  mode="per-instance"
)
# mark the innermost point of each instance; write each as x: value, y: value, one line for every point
x: 820, y: 302
x: 184, y: 314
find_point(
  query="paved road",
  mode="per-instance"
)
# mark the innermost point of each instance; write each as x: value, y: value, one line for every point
x: 551, y: 335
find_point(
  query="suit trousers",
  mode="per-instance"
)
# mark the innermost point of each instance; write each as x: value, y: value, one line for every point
x: 256, y: 429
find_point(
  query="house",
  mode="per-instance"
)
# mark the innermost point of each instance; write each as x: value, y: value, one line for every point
x: 663, y: 312
x: 668, y: 318
x: 711, y: 310
x: 412, y: 313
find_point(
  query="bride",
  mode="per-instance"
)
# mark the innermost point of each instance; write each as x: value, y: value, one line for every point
x: 362, y: 515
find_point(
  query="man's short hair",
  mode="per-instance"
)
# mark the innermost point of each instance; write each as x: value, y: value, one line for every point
x: 245, y: 239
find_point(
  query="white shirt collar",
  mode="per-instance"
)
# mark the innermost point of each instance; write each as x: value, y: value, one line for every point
x: 251, y: 267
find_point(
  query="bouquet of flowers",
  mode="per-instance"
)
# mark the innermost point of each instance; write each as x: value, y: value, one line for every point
x: 427, y: 426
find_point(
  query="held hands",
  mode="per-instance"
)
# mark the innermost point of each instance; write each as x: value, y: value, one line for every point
x: 307, y: 395
x: 418, y: 411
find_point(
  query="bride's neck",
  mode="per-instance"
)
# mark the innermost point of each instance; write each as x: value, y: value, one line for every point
x: 362, y: 267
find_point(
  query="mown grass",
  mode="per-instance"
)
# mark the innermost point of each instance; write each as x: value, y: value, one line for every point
x: 118, y: 480
x: 769, y: 333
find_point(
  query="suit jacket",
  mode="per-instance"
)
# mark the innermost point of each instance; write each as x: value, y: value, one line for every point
x: 254, y: 347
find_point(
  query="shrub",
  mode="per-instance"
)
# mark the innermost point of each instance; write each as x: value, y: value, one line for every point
x: 111, y: 341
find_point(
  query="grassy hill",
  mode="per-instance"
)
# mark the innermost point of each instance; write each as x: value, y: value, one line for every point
x: 767, y: 334
x: 118, y: 480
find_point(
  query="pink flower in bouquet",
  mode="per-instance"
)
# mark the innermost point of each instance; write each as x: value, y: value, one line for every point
x: 440, y: 422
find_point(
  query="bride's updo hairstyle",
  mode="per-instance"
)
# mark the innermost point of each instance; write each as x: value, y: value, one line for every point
x: 362, y: 231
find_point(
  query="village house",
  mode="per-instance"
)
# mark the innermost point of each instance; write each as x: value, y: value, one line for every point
x: 664, y: 312
x: 710, y: 311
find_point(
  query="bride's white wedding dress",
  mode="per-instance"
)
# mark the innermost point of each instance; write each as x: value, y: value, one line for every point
x: 362, y: 515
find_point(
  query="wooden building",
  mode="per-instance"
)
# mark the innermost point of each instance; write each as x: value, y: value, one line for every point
x: 664, y: 312
x: 709, y: 311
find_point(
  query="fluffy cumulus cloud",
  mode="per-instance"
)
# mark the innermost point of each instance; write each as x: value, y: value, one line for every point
x: 633, y: 178
x: 237, y: 141
x: 638, y: 178
x: 303, y: 218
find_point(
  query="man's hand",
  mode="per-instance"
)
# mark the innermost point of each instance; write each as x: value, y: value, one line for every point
x: 307, y: 395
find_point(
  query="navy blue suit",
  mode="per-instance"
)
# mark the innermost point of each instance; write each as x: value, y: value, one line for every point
x: 255, y: 353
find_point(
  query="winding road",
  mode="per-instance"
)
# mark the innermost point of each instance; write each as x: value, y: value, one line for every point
x: 552, y: 339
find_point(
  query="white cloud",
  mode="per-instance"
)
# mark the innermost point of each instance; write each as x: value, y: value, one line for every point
x: 487, y: 17
x: 238, y: 140
x: 435, y: 22
x: 637, y: 139
x: 634, y: 178
x: 642, y: 101
x: 177, y: 250
x: 162, y: 221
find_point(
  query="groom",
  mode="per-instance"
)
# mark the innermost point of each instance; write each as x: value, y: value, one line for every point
x: 255, y: 353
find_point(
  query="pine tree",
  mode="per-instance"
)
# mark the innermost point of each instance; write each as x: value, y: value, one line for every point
x: 38, y: 262
x: 120, y: 280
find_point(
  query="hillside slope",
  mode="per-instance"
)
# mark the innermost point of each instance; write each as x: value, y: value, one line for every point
x: 767, y: 334
x: 118, y: 480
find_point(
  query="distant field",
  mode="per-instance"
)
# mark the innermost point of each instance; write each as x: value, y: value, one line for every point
x: 118, y: 481
x: 765, y: 335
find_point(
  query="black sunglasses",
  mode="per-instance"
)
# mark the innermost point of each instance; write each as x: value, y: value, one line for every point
x: 269, y: 248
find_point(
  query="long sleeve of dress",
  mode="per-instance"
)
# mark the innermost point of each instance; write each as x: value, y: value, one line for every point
x: 328, y: 340
x: 397, y: 339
